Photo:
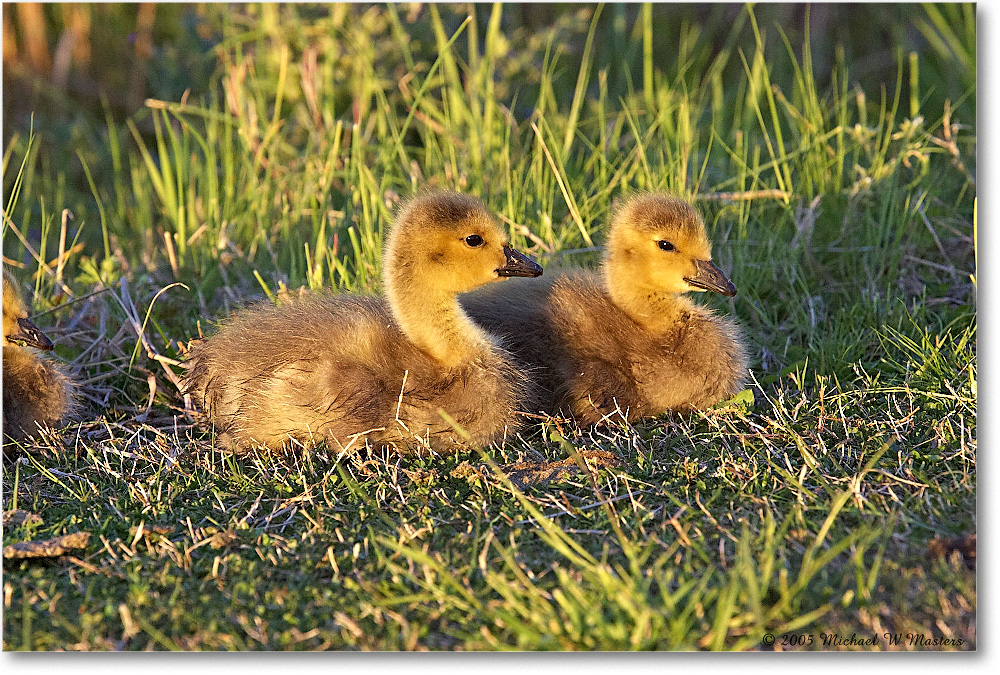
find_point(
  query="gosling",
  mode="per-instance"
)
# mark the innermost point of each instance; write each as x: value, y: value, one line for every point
x: 355, y: 370
x: 626, y: 341
x: 36, y: 392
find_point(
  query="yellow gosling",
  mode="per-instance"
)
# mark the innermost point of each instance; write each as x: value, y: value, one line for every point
x: 627, y: 339
x: 354, y: 370
x: 36, y: 392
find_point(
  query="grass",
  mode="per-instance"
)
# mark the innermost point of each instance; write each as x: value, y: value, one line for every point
x: 844, y: 211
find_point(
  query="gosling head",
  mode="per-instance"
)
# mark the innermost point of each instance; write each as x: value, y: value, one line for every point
x: 17, y: 329
x: 452, y: 244
x: 658, y: 244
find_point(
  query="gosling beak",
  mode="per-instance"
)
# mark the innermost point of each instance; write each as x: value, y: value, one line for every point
x: 30, y: 336
x: 518, y: 265
x: 711, y: 278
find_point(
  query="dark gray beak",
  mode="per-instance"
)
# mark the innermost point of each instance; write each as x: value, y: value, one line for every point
x: 30, y: 336
x: 711, y: 278
x: 518, y: 265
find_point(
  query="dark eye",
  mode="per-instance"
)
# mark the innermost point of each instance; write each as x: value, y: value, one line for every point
x: 665, y: 245
x: 474, y: 240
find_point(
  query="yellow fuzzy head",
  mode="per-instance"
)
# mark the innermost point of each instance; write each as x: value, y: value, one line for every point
x: 658, y: 244
x: 450, y: 242
x: 13, y: 306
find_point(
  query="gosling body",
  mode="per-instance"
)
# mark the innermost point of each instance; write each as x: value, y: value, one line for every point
x: 36, y: 392
x: 355, y: 370
x: 625, y: 340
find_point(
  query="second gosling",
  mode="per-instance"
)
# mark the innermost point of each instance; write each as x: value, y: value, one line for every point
x: 626, y: 340
x: 36, y: 392
x: 354, y: 370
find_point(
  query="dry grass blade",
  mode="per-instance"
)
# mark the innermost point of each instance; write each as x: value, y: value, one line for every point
x: 523, y: 474
x: 16, y: 517
x: 47, y: 548
x: 570, y: 202
x: 125, y: 301
x: 745, y: 196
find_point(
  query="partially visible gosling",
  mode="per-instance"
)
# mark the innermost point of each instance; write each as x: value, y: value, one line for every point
x: 626, y: 339
x: 353, y: 370
x: 36, y: 392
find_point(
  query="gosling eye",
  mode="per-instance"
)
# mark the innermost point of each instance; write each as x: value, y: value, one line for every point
x: 665, y: 245
x: 474, y: 240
